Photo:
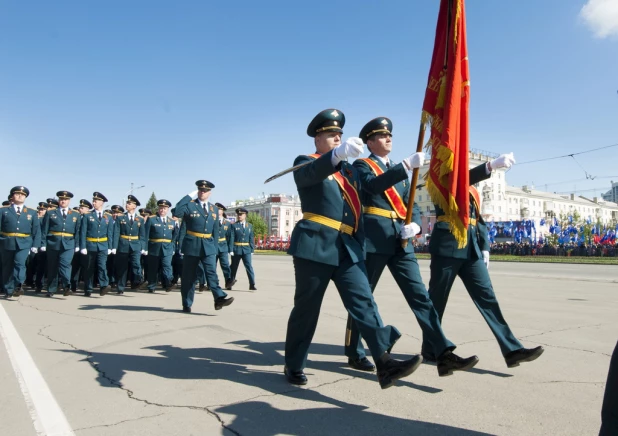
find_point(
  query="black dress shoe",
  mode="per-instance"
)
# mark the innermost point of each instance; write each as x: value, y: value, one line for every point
x: 186, y: 309
x: 49, y: 294
x: 295, y: 377
x: 19, y: 291
x: 229, y: 284
x: 362, y: 364
x: 390, y: 369
x: 252, y: 288
x: 119, y: 292
x: 221, y: 302
x: 144, y: 285
x: 202, y: 288
x: 449, y: 362
x: 67, y: 291
x: 138, y: 285
x: 169, y: 288
x: 151, y: 291
x: 38, y: 290
x: 87, y: 293
x: 104, y: 290
x: 514, y: 358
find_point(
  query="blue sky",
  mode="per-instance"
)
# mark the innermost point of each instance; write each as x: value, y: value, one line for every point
x: 96, y: 95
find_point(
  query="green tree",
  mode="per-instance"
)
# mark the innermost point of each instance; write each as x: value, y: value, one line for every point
x: 259, y: 225
x: 152, y: 203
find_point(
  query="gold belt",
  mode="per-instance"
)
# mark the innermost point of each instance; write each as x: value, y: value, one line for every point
x: 68, y: 235
x: 442, y: 219
x: 329, y: 222
x: 222, y: 239
x: 380, y: 212
x: 159, y: 240
x: 130, y: 238
x: 241, y: 243
x: 96, y: 239
x: 16, y: 235
x: 199, y: 235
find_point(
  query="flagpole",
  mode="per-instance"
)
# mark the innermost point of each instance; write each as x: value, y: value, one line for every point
x: 419, y: 148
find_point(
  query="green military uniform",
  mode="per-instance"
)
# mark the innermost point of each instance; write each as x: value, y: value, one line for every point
x: 128, y: 246
x: 60, y: 238
x: 244, y: 245
x: 327, y: 244
x: 384, y: 213
x: 96, y: 234
x: 160, y: 234
x: 20, y: 233
x: 199, y: 245
x: 226, y: 244
x: 78, y: 265
x: 448, y: 261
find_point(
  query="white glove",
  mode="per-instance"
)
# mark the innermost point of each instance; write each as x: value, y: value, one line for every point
x: 486, y: 258
x: 84, y: 251
x: 231, y: 253
x: 180, y: 252
x: 409, y: 231
x: 502, y: 161
x: 34, y: 250
x: 113, y: 251
x: 193, y: 194
x: 415, y: 160
x: 109, y: 251
x: 43, y: 249
x: 77, y: 249
x: 352, y: 147
x: 144, y: 252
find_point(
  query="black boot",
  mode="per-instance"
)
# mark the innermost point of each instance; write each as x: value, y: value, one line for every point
x: 449, y: 362
x: 514, y: 358
x: 362, y: 364
x: 390, y: 369
x: 295, y: 377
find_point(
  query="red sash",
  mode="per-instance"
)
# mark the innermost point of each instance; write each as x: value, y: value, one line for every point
x: 349, y: 192
x: 393, y: 196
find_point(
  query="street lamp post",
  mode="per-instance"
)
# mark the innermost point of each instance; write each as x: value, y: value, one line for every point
x: 130, y: 191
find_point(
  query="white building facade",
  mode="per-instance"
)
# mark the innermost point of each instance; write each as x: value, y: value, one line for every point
x: 281, y: 212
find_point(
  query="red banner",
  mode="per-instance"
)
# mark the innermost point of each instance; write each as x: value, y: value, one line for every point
x: 445, y: 108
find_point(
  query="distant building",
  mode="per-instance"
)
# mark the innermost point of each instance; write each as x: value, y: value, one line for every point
x: 612, y: 194
x: 280, y: 211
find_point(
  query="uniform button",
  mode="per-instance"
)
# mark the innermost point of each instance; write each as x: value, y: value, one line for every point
x: 345, y: 214
x: 17, y: 228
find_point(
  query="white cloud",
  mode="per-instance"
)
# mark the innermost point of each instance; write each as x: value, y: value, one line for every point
x: 601, y: 16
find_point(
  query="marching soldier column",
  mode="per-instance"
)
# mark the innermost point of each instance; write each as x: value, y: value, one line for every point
x: 20, y: 234
x: 159, y: 241
x: 128, y: 245
x: 60, y: 231
x: 96, y: 233
x: 244, y: 241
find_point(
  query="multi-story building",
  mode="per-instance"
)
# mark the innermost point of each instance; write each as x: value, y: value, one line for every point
x: 281, y: 212
x: 612, y: 194
x: 501, y: 202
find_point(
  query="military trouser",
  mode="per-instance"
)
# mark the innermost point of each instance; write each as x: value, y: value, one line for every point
x: 13, y: 268
x: 246, y: 260
x: 95, y: 260
x: 312, y: 279
x: 189, y: 273
x: 58, y: 268
x: 154, y: 264
x: 609, y: 412
x: 404, y: 268
x: 223, y: 258
x: 475, y: 276
x: 122, y: 262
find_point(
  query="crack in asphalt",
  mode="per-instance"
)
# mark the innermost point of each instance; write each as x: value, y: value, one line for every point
x: 130, y: 394
x: 562, y: 330
x: 21, y: 303
x: 569, y: 381
x: 120, y: 422
x: 572, y: 349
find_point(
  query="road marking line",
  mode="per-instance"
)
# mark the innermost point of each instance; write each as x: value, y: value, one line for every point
x: 46, y: 414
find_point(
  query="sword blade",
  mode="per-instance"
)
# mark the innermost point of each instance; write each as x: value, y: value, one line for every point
x: 284, y: 172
